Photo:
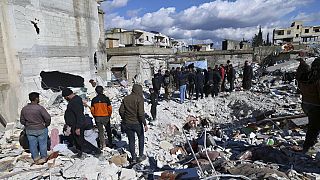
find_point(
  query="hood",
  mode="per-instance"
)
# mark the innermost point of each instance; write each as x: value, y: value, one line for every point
x: 137, y: 89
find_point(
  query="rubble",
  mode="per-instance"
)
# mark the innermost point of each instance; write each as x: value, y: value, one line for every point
x: 243, y: 134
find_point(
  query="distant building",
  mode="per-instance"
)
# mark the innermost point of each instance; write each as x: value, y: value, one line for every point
x: 297, y: 34
x: 118, y: 37
x: 201, y: 47
x: 228, y: 44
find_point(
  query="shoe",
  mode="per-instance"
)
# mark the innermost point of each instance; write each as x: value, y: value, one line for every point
x: 41, y: 161
x: 79, y: 155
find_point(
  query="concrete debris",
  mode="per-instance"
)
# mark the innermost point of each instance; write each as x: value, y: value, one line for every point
x: 254, y: 134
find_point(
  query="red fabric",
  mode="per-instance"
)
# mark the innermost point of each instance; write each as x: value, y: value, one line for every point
x: 222, y: 73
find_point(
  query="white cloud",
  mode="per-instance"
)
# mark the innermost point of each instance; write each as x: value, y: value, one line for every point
x: 134, y: 13
x: 215, y: 20
x: 108, y: 6
x: 308, y: 17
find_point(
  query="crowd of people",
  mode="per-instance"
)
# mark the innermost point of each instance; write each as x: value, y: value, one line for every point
x: 196, y: 83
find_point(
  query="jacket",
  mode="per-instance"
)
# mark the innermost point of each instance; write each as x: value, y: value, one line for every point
x: 231, y: 74
x: 101, y: 106
x: 34, y: 117
x: 310, y: 92
x: 182, y: 78
x: 191, y: 78
x: 74, y: 116
x: 216, y: 77
x: 200, y: 80
x: 154, y: 99
x: 247, y: 73
x: 132, y: 107
x: 222, y: 73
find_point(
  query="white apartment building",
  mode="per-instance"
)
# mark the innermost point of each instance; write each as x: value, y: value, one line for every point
x: 124, y: 38
x: 297, y: 34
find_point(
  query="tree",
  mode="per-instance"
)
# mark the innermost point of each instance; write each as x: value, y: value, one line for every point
x: 268, y: 40
x: 257, y: 40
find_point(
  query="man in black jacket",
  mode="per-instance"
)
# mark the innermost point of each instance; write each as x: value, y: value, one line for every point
x: 200, y: 80
x: 74, y: 117
x: 231, y: 76
x: 247, y: 76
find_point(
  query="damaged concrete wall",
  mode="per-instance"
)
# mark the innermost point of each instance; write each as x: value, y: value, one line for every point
x: 140, y: 65
x: 42, y: 35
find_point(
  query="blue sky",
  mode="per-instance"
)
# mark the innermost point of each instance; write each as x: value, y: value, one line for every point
x: 209, y: 20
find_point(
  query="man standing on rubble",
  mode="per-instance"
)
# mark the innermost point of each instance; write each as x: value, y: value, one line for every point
x: 182, y: 81
x: 133, y: 121
x: 74, y: 117
x: 247, y: 76
x: 36, y: 120
x: 309, y: 85
x: 101, y: 110
x: 216, y: 81
x: 200, y: 80
x: 191, y: 82
x: 223, y: 75
x: 168, y: 84
x: 231, y: 76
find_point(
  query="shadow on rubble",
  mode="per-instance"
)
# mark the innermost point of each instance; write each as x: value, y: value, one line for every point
x: 244, y: 155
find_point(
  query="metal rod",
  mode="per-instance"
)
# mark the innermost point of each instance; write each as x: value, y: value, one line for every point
x: 194, y: 155
x: 205, y: 148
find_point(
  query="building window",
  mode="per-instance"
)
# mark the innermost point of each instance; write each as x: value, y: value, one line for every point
x: 298, y: 26
x: 147, y: 38
x: 306, y: 31
x: 281, y: 32
x: 316, y: 30
x: 297, y: 35
x: 288, y: 32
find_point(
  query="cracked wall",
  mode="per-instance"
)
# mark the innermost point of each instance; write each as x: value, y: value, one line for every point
x: 42, y: 35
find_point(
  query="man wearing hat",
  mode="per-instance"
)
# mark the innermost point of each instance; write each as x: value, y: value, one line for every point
x: 74, y: 117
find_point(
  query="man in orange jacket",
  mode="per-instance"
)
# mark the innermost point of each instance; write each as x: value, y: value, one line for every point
x: 101, y: 110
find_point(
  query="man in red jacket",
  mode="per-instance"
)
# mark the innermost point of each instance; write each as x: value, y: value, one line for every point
x: 222, y: 74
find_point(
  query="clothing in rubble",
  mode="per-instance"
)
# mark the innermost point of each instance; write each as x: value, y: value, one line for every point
x: 101, y: 110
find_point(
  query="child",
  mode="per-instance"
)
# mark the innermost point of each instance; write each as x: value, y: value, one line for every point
x: 154, y: 103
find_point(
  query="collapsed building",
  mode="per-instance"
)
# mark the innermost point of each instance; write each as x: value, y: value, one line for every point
x: 35, y: 36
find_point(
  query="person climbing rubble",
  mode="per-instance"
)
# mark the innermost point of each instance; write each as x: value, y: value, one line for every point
x: 309, y: 85
x: 74, y: 117
x: 36, y: 120
x: 247, y: 76
x: 154, y: 103
x: 101, y: 110
x: 133, y: 121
